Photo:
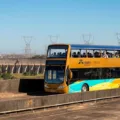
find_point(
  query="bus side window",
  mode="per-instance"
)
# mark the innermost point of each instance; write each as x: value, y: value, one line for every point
x: 49, y: 74
x: 95, y: 73
x: 54, y: 74
x: 75, y: 53
x: 92, y: 73
x: 110, y: 73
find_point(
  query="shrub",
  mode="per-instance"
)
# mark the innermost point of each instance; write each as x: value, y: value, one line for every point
x: 6, y: 76
x: 29, y: 73
x: 26, y: 73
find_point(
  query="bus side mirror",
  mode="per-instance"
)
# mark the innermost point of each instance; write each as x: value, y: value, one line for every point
x: 70, y: 75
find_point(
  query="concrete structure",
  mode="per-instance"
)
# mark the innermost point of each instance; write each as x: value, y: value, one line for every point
x: 57, y: 100
x: 22, y: 61
x: 22, y: 68
x: 22, y: 65
x: 21, y: 85
x: 109, y: 110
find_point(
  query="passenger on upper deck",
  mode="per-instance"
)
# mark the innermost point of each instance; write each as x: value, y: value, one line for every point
x: 105, y: 55
x: 78, y: 54
x: 97, y: 54
x: 89, y: 54
x: 117, y: 55
x: 84, y: 55
x: 74, y: 54
x: 54, y: 54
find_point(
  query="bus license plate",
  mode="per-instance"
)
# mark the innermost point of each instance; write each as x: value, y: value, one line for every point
x: 52, y: 90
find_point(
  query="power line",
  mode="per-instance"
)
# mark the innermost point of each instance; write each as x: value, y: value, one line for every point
x: 28, y: 40
x: 53, y: 39
x: 118, y: 38
x: 87, y: 39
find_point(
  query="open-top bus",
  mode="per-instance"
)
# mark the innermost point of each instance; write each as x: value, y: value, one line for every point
x: 74, y: 68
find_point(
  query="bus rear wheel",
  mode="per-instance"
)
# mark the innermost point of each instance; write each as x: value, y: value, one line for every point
x: 85, y: 88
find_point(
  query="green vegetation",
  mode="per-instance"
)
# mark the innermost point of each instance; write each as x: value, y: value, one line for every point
x: 31, y: 73
x: 27, y: 75
x: 6, y: 76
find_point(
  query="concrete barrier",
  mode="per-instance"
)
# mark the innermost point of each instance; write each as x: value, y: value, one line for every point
x: 22, y: 85
x: 55, y: 100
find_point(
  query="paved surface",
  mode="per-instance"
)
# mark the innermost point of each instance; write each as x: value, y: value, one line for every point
x: 101, y: 111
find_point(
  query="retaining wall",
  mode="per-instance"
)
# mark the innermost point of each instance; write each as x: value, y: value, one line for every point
x: 22, y: 85
x: 55, y: 100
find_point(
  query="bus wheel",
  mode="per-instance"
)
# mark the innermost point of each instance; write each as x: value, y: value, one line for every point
x: 85, y: 88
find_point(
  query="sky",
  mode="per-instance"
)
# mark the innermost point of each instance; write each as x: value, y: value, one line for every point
x: 67, y: 19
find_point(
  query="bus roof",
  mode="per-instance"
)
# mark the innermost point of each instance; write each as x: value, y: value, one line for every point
x: 94, y: 47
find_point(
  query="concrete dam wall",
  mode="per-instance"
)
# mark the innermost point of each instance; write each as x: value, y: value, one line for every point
x: 22, y: 66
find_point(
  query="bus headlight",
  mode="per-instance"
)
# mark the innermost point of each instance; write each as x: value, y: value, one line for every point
x: 46, y: 86
x: 61, y: 87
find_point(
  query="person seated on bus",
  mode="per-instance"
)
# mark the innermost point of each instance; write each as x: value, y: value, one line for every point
x: 54, y: 54
x: 108, y: 73
x: 66, y: 51
x: 84, y: 55
x: 117, y: 55
x: 113, y: 56
x: 74, y: 54
x: 59, y: 54
x: 64, y: 54
x: 78, y: 54
x: 118, y: 52
x: 105, y: 55
x: 110, y: 55
x: 89, y: 55
x: 97, y: 54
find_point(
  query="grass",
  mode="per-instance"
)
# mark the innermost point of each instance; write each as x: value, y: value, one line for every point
x: 21, y: 76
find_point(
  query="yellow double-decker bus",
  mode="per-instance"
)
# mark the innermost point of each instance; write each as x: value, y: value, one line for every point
x: 74, y: 68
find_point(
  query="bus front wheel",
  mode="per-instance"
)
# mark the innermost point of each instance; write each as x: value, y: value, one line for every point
x: 85, y: 88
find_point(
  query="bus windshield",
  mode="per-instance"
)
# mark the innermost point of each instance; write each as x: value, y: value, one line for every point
x: 54, y: 75
x: 56, y: 51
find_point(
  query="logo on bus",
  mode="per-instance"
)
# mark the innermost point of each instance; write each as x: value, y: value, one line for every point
x: 81, y: 62
x: 84, y: 62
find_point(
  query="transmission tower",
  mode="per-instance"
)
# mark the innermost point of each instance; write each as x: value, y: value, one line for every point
x: 28, y: 40
x: 87, y: 39
x: 118, y: 38
x: 53, y: 39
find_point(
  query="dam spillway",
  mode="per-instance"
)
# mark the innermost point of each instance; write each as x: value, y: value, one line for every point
x: 22, y: 66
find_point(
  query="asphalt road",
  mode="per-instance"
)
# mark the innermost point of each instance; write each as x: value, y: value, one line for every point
x: 100, y: 111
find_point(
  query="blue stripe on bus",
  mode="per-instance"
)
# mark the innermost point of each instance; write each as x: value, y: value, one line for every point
x: 96, y: 47
x: 77, y: 86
